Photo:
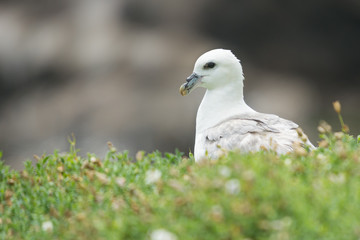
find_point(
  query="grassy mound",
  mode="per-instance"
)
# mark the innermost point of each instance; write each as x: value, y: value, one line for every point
x: 261, y: 195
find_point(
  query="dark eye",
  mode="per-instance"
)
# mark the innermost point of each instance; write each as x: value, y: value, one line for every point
x: 209, y: 65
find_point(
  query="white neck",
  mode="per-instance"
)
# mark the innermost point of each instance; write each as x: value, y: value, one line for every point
x: 221, y: 103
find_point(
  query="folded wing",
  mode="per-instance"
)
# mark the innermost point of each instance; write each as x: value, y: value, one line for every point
x: 252, y: 132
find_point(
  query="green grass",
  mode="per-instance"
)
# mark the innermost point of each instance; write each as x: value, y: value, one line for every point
x: 260, y: 195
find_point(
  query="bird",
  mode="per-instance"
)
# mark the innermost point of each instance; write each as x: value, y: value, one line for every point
x: 224, y: 122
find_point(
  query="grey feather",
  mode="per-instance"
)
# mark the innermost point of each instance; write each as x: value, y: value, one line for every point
x: 251, y: 132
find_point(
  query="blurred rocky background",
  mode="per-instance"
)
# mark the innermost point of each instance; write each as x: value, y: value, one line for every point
x: 110, y: 70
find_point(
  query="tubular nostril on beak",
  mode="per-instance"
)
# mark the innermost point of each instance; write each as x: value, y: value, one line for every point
x: 191, y: 82
x: 192, y: 77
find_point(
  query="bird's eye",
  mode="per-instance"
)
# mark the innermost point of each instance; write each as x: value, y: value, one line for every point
x: 209, y: 65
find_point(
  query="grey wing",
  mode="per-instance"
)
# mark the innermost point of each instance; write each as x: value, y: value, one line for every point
x: 251, y: 133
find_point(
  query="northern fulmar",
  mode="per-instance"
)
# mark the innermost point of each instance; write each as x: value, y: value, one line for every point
x: 224, y: 121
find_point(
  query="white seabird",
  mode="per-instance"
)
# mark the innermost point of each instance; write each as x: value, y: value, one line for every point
x: 224, y: 121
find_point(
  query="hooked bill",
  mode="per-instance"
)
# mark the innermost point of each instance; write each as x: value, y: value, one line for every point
x: 183, y: 91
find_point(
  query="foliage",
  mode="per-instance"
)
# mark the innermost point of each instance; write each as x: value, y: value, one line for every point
x: 240, y: 196
x: 302, y: 195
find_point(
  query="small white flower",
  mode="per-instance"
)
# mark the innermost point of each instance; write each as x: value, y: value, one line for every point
x: 225, y: 171
x: 152, y: 176
x: 322, y: 158
x: 337, y: 178
x: 47, y: 226
x: 288, y: 162
x: 232, y: 186
x: 120, y: 181
x: 162, y: 234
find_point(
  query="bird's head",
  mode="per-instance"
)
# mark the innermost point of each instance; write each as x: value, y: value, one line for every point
x: 212, y: 70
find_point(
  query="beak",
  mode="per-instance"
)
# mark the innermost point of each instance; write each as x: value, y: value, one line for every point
x: 190, y: 84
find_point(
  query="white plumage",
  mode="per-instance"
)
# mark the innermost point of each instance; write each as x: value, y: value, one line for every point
x: 224, y: 121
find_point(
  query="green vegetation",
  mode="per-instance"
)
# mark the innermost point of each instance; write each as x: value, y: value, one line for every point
x: 303, y: 195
